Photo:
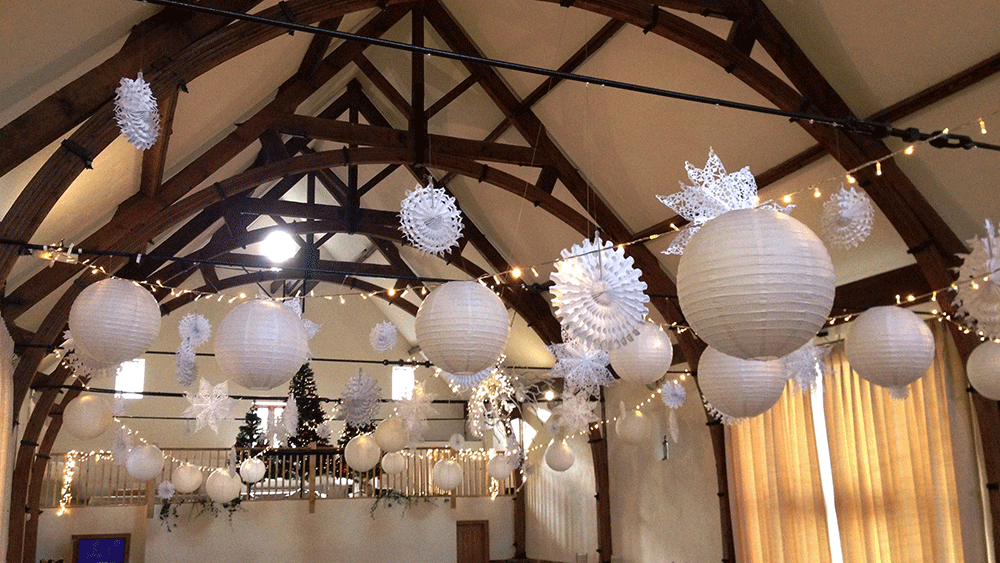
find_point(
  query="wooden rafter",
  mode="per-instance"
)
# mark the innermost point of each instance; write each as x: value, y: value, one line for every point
x: 154, y: 160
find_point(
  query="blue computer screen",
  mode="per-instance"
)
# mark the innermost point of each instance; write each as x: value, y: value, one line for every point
x: 101, y: 550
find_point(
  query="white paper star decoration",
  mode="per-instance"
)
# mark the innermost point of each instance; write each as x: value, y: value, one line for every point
x: 806, y: 365
x: 136, y: 112
x: 577, y: 412
x: 978, y: 300
x: 598, y: 295
x: 415, y: 410
x: 847, y: 218
x: 83, y: 365
x: 430, y: 219
x: 210, y: 405
x: 383, y: 337
x: 359, y: 403
x: 195, y: 330
x: 584, y: 369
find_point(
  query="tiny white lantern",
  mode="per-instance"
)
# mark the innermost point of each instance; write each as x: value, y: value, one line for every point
x: 462, y: 327
x: 144, y: 462
x: 114, y: 321
x: 252, y: 470
x: 983, y: 370
x: 632, y: 427
x: 362, y: 453
x: 186, y: 478
x: 501, y: 466
x: 559, y: 456
x: 393, y: 463
x: 740, y: 388
x: 755, y: 284
x: 261, y: 344
x: 222, y: 486
x: 646, y: 358
x: 447, y: 474
x: 87, y: 416
x: 889, y: 346
x: 392, y: 435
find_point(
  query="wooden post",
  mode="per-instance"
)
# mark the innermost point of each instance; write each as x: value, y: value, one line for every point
x: 149, y: 499
x: 313, y: 460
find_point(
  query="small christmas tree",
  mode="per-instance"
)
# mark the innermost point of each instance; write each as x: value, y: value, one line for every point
x: 251, y: 435
x: 311, y: 415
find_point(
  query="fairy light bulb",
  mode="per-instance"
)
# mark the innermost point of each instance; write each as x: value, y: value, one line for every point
x: 817, y: 194
x: 391, y: 292
x: 878, y: 168
x: 516, y: 272
x: 342, y: 300
x: 787, y: 199
x: 908, y: 151
x: 982, y: 126
x: 851, y: 179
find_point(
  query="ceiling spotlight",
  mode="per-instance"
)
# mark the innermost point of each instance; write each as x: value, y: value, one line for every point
x: 549, y: 395
x: 279, y: 246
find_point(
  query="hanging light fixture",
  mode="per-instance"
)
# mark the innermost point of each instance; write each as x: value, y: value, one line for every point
x: 279, y: 246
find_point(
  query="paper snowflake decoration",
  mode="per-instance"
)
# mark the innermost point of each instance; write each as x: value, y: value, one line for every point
x: 978, y: 299
x: 195, y: 330
x: 121, y: 445
x: 210, y: 405
x: 584, y: 369
x: 430, y: 219
x: 311, y: 327
x: 673, y: 394
x: 165, y: 490
x: 598, y: 295
x: 576, y: 412
x: 415, y: 410
x: 360, y: 400
x: 83, y: 365
x: 383, y: 337
x: 847, y: 218
x: 713, y: 193
x: 805, y: 366
x: 290, y: 416
x: 136, y: 113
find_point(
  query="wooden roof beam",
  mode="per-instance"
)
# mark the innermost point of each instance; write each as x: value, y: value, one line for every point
x: 154, y: 159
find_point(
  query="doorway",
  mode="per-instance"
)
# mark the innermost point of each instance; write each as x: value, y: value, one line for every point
x: 473, y: 538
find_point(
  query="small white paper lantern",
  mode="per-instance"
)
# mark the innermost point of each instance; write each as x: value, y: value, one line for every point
x: 186, y: 478
x: 889, y: 346
x: 252, y: 470
x: 222, y: 486
x: 632, y: 427
x: 462, y: 327
x: 755, y: 284
x: 261, y: 344
x: 87, y: 416
x: 392, y: 435
x: 740, y: 388
x: 983, y: 370
x: 501, y: 466
x: 646, y: 358
x: 393, y: 463
x: 362, y: 453
x: 447, y: 474
x: 144, y: 462
x: 114, y: 321
x: 559, y: 456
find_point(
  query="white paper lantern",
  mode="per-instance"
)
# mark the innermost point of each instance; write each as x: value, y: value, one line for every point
x: 114, y: 320
x: 87, y: 416
x: 646, y: 358
x: 186, y: 478
x: 144, y: 462
x: 222, y: 486
x: 983, y: 370
x: 740, y: 388
x: 393, y: 463
x: 889, y: 346
x: 755, y: 284
x: 362, y: 453
x: 462, y: 327
x: 392, y: 435
x: 501, y: 466
x: 447, y: 474
x: 261, y: 344
x: 632, y: 427
x: 559, y: 456
x: 252, y: 470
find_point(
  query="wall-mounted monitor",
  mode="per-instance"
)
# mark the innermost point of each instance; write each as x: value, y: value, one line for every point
x: 100, y: 548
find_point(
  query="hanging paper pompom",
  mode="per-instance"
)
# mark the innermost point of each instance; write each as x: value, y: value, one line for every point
x: 383, y: 337
x: 584, y: 369
x: 430, y: 219
x: 290, y: 416
x: 598, y: 295
x: 673, y: 394
x: 805, y: 366
x: 847, y: 218
x: 978, y: 300
x: 136, y: 112
x: 195, y: 330
x: 576, y: 412
x: 360, y: 400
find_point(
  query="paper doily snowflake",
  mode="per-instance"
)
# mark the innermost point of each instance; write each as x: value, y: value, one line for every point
x: 210, y: 405
x: 136, y: 113
x: 978, y: 300
x: 673, y: 394
x: 415, y: 410
x: 359, y: 402
x: 383, y: 337
x: 165, y: 490
x: 310, y: 327
x: 847, y: 218
x: 805, y: 366
x: 598, y: 295
x: 430, y: 219
x: 577, y: 412
x: 584, y: 369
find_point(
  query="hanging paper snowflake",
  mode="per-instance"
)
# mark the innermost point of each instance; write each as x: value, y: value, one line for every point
x: 673, y: 394
x: 805, y: 366
x: 136, y: 113
x: 847, y: 218
x: 359, y: 402
x: 430, y: 219
x: 195, y: 330
x: 324, y: 430
x: 290, y: 416
x: 576, y: 412
x: 598, y: 295
x: 978, y: 299
x: 719, y: 415
x: 165, y: 490
x: 415, y: 410
x: 383, y: 337
x: 121, y: 445
x: 311, y: 327
x: 584, y: 369
x: 210, y: 405
x: 83, y: 365
x: 714, y: 192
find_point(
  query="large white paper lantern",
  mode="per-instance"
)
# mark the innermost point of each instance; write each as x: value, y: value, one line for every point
x: 501, y: 466
x: 222, y: 486
x: 392, y: 435
x: 447, y: 474
x: 983, y: 370
x: 362, y: 453
x: 186, y: 478
x: 462, y: 327
x: 740, y: 388
x: 889, y: 346
x: 144, y: 462
x: 393, y: 463
x: 261, y: 344
x: 252, y: 470
x: 632, y: 427
x: 114, y: 320
x: 646, y: 358
x: 559, y: 456
x: 87, y: 416
x: 755, y: 284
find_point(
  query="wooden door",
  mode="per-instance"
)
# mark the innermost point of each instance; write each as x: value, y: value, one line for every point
x: 473, y: 541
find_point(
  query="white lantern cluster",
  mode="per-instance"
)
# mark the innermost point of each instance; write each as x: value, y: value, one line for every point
x: 890, y: 347
x: 646, y: 358
x: 113, y: 321
x: 447, y: 475
x: 983, y: 369
x: 740, y: 388
x: 144, y: 463
x: 261, y: 344
x: 87, y: 416
x: 462, y: 327
x: 362, y: 453
x: 222, y: 486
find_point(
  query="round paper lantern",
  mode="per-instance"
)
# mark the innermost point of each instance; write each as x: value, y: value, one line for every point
x: 646, y: 358
x: 740, y: 388
x: 501, y: 466
x: 632, y: 427
x: 393, y: 463
x: 87, y: 416
x: 983, y: 370
x: 252, y: 470
x: 462, y: 327
x: 447, y: 474
x: 559, y: 456
x: 114, y: 321
x: 362, y: 453
x: 755, y: 284
x: 889, y: 346
x: 186, y: 478
x: 144, y: 462
x: 261, y: 344
x: 222, y: 486
x: 392, y: 435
